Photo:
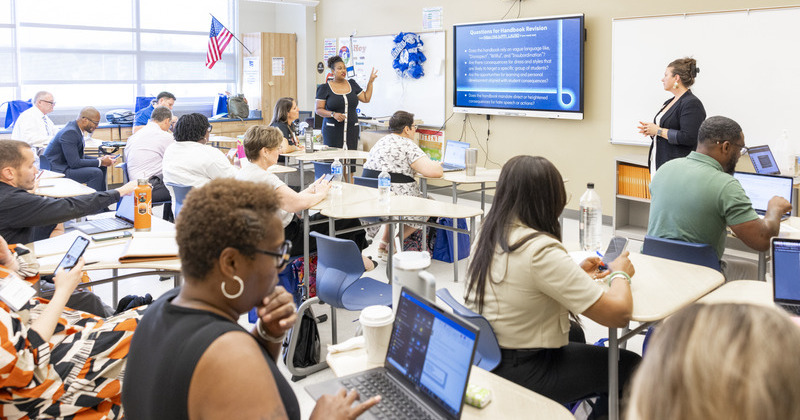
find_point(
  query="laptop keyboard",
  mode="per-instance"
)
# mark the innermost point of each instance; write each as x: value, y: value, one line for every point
x: 451, y: 167
x: 792, y: 309
x: 110, y: 224
x: 395, y: 404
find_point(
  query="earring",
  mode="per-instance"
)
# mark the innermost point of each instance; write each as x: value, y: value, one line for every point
x: 234, y: 295
x: 675, y: 86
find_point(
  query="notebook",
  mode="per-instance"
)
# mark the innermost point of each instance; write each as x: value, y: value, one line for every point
x: 123, y: 219
x: 786, y: 273
x: 455, y: 155
x: 428, y: 364
x: 763, y: 160
x: 761, y: 188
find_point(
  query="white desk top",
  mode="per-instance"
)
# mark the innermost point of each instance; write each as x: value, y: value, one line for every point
x: 400, y: 206
x: 62, y: 187
x: 48, y: 174
x: 460, y: 177
x: 351, y: 195
x: 509, y: 400
x: 741, y: 291
x: 280, y: 169
x: 328, y: 154
x: 661, y: 287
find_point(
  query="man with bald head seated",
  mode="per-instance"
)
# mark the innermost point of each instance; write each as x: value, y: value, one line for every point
x: 66, y: 155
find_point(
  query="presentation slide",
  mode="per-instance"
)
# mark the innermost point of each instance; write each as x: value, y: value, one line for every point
x: 520, y: 65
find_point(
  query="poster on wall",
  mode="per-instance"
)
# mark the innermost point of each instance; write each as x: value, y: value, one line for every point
x: 278, y: 66
x: 432, y: 18
x: 346, y: 54
x: 328, y: 49
x: 250, y: 81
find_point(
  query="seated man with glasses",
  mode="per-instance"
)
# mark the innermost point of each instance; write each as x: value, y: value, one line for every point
x: 66, y: 155
x: 34, y: 126
x: 695, y: 199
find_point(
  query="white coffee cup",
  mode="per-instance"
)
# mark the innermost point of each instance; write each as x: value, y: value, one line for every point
x: 376, y: 323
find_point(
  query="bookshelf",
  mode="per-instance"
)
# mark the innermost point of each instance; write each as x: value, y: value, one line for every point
x: 632, y: 199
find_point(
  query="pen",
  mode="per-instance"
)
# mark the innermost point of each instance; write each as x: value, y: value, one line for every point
x: 602, y: 264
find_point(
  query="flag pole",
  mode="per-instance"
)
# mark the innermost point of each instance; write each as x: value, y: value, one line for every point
x: 232, y: 34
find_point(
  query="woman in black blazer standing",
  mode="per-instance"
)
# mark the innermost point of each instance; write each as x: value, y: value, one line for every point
x: 674, y: 128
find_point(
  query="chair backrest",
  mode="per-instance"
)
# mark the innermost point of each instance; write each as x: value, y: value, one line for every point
x: 124, y: 167
x: 321, y: 168
x: 44, y: 163
x: 366, y: 182
x: 339, y: 264
x: 488, y: 354
x: 178, y: 194
x: 688, y: 252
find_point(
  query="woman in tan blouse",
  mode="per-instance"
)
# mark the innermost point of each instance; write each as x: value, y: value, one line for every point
x: 526, y: 285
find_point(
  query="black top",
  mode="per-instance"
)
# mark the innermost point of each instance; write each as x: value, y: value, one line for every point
x: 165, y: 349
x: 287, y: 134
x: 683, y: 120
x: 21, y: 211
x: 332, y: 130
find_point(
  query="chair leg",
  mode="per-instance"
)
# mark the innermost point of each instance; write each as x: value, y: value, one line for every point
x: 334, y: 334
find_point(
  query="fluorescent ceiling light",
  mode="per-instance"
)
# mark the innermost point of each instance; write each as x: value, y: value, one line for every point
x: 312, y: 3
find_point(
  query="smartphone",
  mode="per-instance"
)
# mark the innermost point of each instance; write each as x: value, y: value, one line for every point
x: 327, y: 177
x: 75, y: 252
x: 615, y: 248
x: 111, y: 235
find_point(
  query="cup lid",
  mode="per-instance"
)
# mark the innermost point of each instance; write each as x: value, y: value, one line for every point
x: 412, y: 260
x: 376, y: 316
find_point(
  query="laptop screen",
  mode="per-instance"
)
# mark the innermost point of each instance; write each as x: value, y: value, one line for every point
x: 761, y: 188
x: 125, y: 208
x: 433, y: 350
x: 763, y: 160
x: 455, y: 153
x: 786, y: 270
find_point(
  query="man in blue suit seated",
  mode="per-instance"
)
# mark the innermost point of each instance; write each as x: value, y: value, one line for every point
x: 65, y: 152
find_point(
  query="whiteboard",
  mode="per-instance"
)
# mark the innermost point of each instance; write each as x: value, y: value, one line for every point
x: 424, y: 97
x: 749, y: 70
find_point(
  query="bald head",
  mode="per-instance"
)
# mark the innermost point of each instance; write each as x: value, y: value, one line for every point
x: 44, y: 101
x: 88, y: 119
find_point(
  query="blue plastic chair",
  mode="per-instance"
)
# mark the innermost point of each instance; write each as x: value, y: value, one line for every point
x: 178, y: 195
x: 44, y: 163
x: 488, y: 355
x: 142, y: 102
x: 321, y: 168
x: 366, y: 182
x: 339, y: 281
x: 671, y: 249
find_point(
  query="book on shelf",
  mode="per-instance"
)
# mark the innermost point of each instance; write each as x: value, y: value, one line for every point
x: 633, y: 180
x: 150, y: 246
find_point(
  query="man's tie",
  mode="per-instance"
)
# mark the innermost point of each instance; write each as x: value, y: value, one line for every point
x: 47, y: 125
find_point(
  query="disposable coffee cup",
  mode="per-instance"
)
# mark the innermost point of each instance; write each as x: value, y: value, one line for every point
x: 471, y: 161
x: 376, y: 323
x: 405, y: 273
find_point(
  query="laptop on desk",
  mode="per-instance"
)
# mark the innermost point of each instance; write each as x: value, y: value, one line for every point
x: 123, y: 219
x: 763, y: 160
x: 761, y: 188
x: 455, y: 155
x: 427, y: 365
x: 786, y: 273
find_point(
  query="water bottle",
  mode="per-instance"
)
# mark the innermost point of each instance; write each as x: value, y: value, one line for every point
x: 591, y: 220
x: 143, y: 202
x: 336, y: 182
x: 384, y: 187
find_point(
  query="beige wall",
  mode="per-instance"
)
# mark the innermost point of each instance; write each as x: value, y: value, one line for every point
x: 580, y: 149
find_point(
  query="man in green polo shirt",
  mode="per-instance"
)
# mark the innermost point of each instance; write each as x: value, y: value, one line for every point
x: 695, y: 198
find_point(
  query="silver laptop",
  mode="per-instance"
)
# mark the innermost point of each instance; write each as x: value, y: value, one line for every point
x: 761, y: 188
x: 786, y: 273
x: 455, y: 156
x: 763, y: 160
x: 427, y: 366
x: 123, y: 219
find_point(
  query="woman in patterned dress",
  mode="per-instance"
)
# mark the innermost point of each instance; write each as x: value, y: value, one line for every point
x: 58, y: 362
x: 397, y: 154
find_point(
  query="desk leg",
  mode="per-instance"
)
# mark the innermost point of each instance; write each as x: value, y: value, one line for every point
x: 455, y: 193
x: 423, y: 185
x: 390, y: 250
x: 762, y: 266
x: 114, y: 288
x: 455, y: 251
x: 613, y: 374
x: 302, y: 176
x: 306, y: 265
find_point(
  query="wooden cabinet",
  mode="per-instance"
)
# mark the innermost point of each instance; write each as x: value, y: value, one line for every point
x: 270, y: 71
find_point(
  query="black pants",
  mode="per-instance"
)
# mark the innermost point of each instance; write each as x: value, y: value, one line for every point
x: 565, y: 374
x: 294, y: 232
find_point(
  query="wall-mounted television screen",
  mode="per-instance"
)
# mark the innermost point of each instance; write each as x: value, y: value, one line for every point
x: 529, y: 67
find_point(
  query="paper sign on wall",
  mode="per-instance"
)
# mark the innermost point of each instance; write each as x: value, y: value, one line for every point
x: 432, y: 18
x: 278, y: 66
x: 329, y: 49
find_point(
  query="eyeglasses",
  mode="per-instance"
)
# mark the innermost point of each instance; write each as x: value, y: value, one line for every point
x: 49, y: 102
x: 282, y: 256
x: 743, y: 150
x: 91, y: 121
x: 210, y: 127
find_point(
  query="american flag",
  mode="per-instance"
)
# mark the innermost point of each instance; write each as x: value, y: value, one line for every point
x: 218, y: 39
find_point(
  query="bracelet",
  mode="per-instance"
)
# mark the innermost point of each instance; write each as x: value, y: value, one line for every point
x: 616, y: 274
x: 268, y: 338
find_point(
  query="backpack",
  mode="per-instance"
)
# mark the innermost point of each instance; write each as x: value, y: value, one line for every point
x: 237, y: 107
x: 120, y: 116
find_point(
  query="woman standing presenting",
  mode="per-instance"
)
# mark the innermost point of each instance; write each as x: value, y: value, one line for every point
x: 337, y: 101
x: 674, y: 128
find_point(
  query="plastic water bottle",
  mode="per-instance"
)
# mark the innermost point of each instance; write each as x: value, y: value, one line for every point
x: 591, y: 220
x: 336, y: 182
x: 384, y: 187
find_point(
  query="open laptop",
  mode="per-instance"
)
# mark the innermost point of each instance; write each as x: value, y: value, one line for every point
x: 426, y: 369
x: 786, y: 273
x: 455, y: 156
x: 123, y: 219
x: 763, y: 160
x: 761, y: 188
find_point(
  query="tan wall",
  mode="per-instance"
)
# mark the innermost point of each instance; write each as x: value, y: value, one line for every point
x: 580, y: 149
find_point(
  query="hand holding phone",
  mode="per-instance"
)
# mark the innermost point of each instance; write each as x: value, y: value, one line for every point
x: 327, y: 177
x: 74, y: 253
x: 616, y: 247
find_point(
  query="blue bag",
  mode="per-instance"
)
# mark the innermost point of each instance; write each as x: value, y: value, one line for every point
x: 290, y: 281
x: 443, y: 247
x: 14, y: 109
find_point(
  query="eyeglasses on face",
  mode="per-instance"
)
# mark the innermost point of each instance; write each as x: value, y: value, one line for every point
x: 281, y: 256
x: 743, y: 150
x: 91, y: 121
x: 48, y: 102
